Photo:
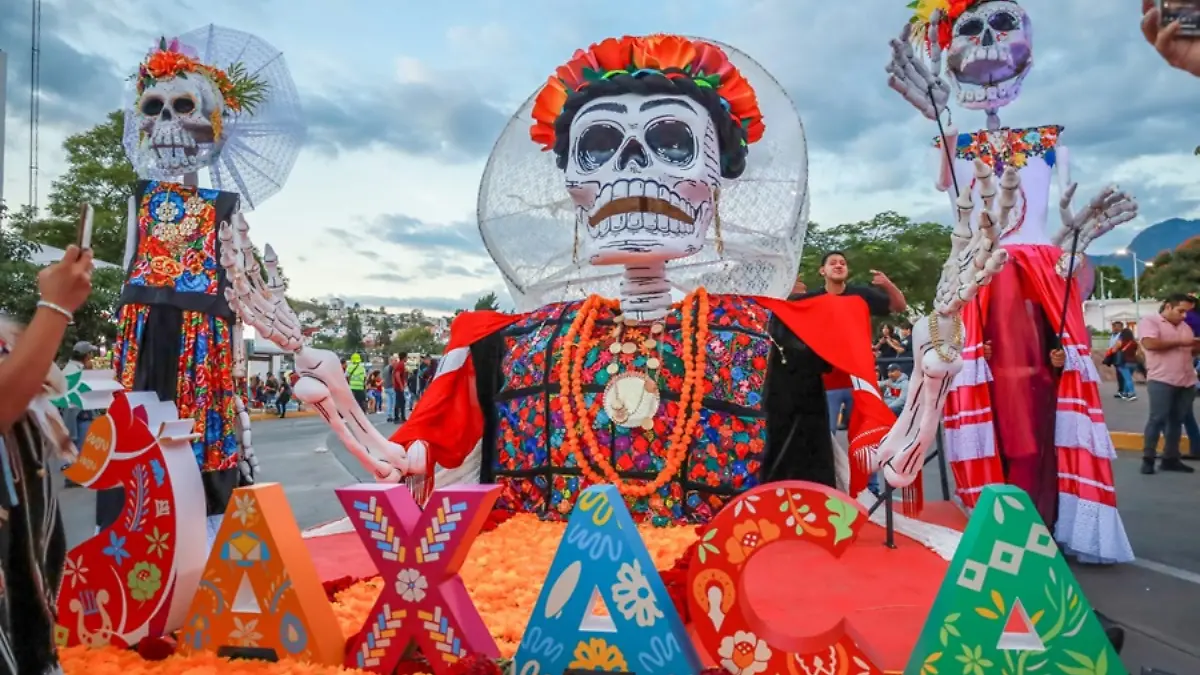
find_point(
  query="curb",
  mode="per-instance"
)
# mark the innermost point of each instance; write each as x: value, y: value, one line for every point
x: 1129, y: 441
x: 264, y: 416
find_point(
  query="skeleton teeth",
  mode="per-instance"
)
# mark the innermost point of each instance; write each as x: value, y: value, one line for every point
x: 662, y: 223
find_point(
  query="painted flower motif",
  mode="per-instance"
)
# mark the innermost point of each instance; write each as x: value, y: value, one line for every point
x: 411, y: 585
x: 597, y: 654
x: 75, y: 571
x: 194, y: 206
x: 748, y: 535
x: 116, y: 548
x: 746, y: 503
x: 156, y: 542
x: 973, y: 661
x: 633, y: 596
x: 744, y: 654
x: 144, y: 581
x: 244, y: 509
x: 245, y: 633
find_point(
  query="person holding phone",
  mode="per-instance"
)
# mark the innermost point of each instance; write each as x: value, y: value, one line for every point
x: 1179, y: 47
x: 33, y: 543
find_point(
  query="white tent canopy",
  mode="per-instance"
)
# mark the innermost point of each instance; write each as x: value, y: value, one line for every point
x: 46, y: 255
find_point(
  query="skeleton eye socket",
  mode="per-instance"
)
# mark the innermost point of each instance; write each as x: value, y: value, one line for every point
x: 1004, y: 22
x: 596, y: 145
x: 183, y: 105
x: 971, y: 27
x: 672, y: 141
x: 152, y: 106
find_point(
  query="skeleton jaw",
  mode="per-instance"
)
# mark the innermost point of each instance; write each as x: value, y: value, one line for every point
x: 661, y: 212
x: 986, y: 78
x: 174, y: 148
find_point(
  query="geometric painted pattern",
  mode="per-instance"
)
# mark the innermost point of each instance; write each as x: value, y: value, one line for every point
x: 1009, y: 604
x: 418, y: 554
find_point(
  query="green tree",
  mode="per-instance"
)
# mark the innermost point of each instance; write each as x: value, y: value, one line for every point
x: 1177, y: 271
x: 1116, y: 284
x: 415, y: 340
x: 19, y: 291
x: 98, y: 173
x: 910, y: 254
x: 354, y: 332
x: 487, y: 301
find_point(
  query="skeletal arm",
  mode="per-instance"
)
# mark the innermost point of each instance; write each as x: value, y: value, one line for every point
x: 937, y: 339
x: 131, y: 233
x: 1110, y: 208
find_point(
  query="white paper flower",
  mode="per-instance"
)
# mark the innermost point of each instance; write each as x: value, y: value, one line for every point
x: 744, y: 654
x: 411, y: 585
x: 633, y: 597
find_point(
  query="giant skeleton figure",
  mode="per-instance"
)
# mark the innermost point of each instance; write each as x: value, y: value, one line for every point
x: 681, y: 404
x: 1025, y: 408
x: 206, y: 100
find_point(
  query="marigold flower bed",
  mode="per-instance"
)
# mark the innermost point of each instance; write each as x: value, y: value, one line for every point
x: 504, y: 575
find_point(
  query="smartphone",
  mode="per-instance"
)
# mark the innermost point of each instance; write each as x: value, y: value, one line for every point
x: 84, y: 235
x: 1186, y: 12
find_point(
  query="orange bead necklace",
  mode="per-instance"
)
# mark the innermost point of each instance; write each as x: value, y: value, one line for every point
x: 580, y: 419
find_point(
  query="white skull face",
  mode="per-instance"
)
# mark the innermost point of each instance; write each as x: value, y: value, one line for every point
x: 991, y: 53
x: 643, y: 172
x: 177, y: 134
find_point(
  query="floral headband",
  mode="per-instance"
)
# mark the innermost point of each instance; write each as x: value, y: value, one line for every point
x: 949, y: 11
x: 670, y: 56
x: 240, y: 90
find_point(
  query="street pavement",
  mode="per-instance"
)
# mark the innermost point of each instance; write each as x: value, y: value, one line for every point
x: 1156, y: 599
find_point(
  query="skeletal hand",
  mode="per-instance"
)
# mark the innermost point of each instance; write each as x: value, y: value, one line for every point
x: 260, y: 302
x: 937, y: 347
x: 920, y: 84
x: 1108, y: 209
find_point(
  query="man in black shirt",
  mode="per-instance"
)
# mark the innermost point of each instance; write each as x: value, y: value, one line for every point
x: 881, y: 301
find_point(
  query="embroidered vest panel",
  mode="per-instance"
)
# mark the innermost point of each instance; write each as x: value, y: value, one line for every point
x: 725, y: 454
x: 177, y: 260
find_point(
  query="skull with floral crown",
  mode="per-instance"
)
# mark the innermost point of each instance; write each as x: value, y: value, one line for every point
x: 181, y: 108
x: 644, y: 129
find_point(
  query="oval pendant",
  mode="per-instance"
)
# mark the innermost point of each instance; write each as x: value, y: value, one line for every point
x: 631, y: 400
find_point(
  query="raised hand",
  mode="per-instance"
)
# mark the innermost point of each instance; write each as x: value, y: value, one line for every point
x: 938, y: 338
x: 259, y: 302
x: 1108, y: 209
x: 908, y: 74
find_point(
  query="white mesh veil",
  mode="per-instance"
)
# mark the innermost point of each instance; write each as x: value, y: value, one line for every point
x: 260, y: 148
x: 527, y: 220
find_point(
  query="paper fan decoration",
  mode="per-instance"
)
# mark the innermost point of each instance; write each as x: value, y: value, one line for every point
x: 262, y: 129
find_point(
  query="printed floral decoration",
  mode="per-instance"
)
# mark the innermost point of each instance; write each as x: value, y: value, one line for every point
x: 748, y: 535
x: 145, y: 579
x: 633, y: 596
x: 743, y: 653
x: 411, y: 585
x: 672, y: 56
x: 597, y: 654
x: 505, y: 599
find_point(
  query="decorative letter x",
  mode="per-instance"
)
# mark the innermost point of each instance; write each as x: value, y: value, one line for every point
x: 418, y: 555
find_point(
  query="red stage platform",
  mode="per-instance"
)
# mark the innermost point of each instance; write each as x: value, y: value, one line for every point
x: 883, y: 594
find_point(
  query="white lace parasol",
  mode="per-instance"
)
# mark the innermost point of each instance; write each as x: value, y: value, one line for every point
x: 260, y: 148
x: 527, y: 220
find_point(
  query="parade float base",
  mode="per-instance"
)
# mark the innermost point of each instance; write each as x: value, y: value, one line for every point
x: 884, y: 593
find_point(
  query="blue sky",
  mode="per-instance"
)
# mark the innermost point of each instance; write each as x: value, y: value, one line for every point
x: 405, y: 99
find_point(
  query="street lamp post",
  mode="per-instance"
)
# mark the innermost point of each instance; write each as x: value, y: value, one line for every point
x: 1137, y: 298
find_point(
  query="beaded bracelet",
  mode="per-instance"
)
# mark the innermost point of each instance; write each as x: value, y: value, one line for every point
x: 57, y: 309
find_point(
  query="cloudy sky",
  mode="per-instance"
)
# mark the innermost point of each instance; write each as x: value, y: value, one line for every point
x: 404, y: 101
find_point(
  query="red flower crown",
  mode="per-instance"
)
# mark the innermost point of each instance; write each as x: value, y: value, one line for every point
x: 671, y: 56
x: 240, y: 91
x: 923, y: 11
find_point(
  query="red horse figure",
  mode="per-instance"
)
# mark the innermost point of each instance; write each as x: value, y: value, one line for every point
x: 136, y: 577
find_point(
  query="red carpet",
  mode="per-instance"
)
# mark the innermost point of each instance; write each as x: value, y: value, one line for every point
x: 883, y: 594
